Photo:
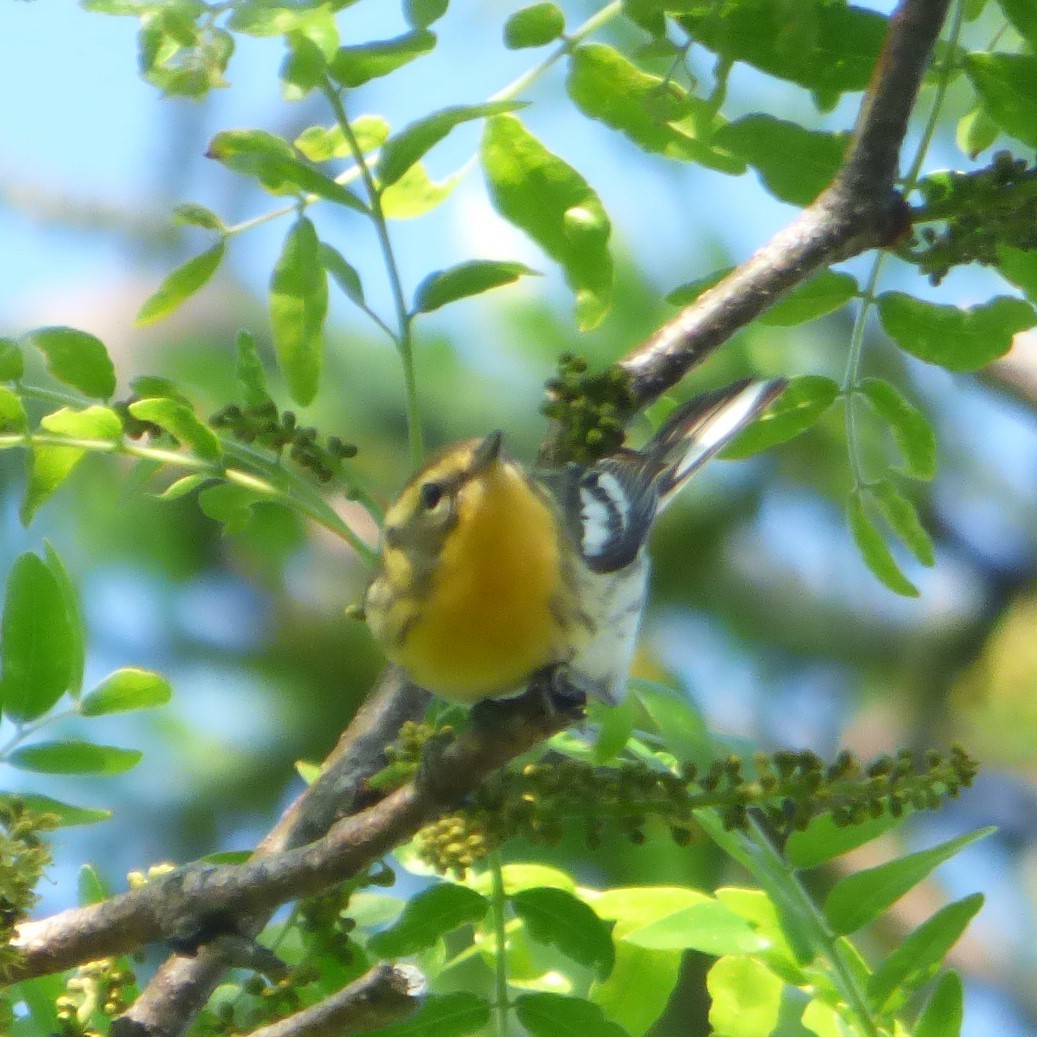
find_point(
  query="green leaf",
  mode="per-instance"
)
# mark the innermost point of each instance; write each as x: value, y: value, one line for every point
x: 181, y: 284
x: 405, y: 148
x: 230, y: 505
x: 182, y: 487
x: 465, y: 279
x: 304, y: 67
x: 74, y: 757
x: 794, y: 163
x: 534, y: 26
x: 554, y: 205
x: 125, y: 690
x: 1020, y: 267
x: 657, y: 114
x: 945, y: 1011
x: 343, y: 273
x: 615, y: 725
x: 709, y: 926
x: 321, y: 143
x: 415, y: 194
x: 430, y: 915
x: 745, y: 997
x: 1023, y: 15
x: 91, y: 887
x: 67, y: 814
x: 12, y: 365
x: 1007, y: 84
x: 194, y: 215
x: 822, y: 839
x: 861, y: 897
x: 36, y: 653
x: 517, y: 877
x: 76, y: 358
x: 555, y: 917
x: 12, y: 412
x: 271, y: 161
x: 49, y: 465
x: 976, y: 132
x: 555, y: 1015
x: 76, y: 648
x: 445, y: 1015
x: 298, y: 306
x: 873, y: 549
x: 683, y: 730
x: 798, y: 408
x: 685, y: 294
x: 912, y: 433
x: 955, y: 338
x: 354, y: 66
x: 827, y: 48
x: 921, y: 953
x: 420, y: 14
x: 250, y: 371
x: 903, y: 519
x: 181, y: 423
x: 652, y: 974
x: 823, y: 294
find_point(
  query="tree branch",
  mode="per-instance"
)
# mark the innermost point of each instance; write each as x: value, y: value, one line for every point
x: 199, y: 901
x: 387, y: 994
x: 859, y: 210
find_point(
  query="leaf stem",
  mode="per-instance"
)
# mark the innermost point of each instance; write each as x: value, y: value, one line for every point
x: 23, y: 731
x: 402, y: 336
x: 498, y: 905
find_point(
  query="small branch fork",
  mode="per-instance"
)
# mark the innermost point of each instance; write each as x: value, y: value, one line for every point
x: 331, y: 832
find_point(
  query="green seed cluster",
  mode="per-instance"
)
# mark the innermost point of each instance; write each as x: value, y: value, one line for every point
x: 98, y: 988
x: 785, y: 789
x: 276, y: 430
x: 258, y: 1003
x: 591, y: 408
x: 983, y: 210
x: 404, y: 755
x: 23, y: 857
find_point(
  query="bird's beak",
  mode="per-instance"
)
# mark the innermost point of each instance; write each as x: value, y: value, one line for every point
x: 487, y: 452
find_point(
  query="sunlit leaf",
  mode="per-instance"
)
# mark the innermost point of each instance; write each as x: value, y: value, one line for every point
x: 91, y: 888
x: 298, y: 306
x: 74, y: 757
x: 125, y: 690
x: 36, y: 643
x: 745, y: 997
x: 862, y: 896
x: 796, y: 164
x: 181, y: 423
x: 652, y: 974
x: 354, y: 66
x: 76, y: 638
x: 709, y: 926
x: 554, y: 205
x: 517, y: 877
x: 229, y: 504
x: 902, y: 516
x: 320, y: 143
x: 403, y: 149
x: 194, y: 215
x: 534, y: 26
x: 415, y: 194
x: 249, y: 370
x: 960, y: 339
x: 420, y: 14
x: 181, y: 284
x: 822, y: 839
x: 343, y: 273
x: 76, y: 358
x: 67, y: 814
x: 12, y: 364
x: 12, y: 411
x: 1007, y: 83
x: 471, y: 278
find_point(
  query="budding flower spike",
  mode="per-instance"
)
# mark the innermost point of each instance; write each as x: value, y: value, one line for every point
x: 491, y: 573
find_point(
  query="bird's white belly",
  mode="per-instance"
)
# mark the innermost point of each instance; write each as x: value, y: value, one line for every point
x: 614, y: 602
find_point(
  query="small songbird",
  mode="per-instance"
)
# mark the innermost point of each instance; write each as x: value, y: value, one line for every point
x: 490, y: 573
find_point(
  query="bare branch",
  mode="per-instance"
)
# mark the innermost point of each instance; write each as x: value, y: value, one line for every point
x: 387, y: 994
x: 861, y: 209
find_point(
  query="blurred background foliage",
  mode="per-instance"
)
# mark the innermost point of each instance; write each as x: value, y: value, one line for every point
x: 761, y: 607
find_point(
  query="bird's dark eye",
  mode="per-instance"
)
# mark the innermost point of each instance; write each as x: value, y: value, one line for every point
x: 431, y: 495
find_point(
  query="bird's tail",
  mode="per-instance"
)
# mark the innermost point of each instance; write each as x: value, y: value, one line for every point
x: 700, y: 428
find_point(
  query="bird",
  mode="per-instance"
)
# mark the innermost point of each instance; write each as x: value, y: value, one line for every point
x: 491, y: 573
